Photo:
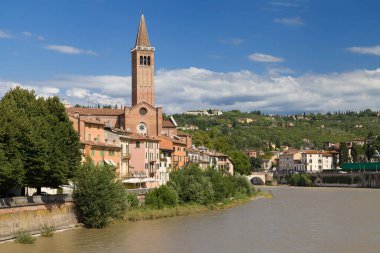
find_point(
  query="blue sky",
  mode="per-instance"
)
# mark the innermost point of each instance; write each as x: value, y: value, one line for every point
x: 276, y: 56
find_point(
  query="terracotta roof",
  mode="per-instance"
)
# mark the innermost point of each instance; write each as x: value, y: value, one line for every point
x: 100, y: 144
x: 136, y: 136
x: 214, y: 153
x: 173, y: 140
x: 180, y: 142
x: 193, y: 150
x: 292, y: 152
x: 95, y: 111
x: 166, y: 143
x: 179, y: 133
x: 142, y: 39
x: 167, y: 124
x: 317, y: 152
x: 92, y: 121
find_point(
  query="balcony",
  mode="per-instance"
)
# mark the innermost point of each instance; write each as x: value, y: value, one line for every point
x: 152, y: 159
x: 126, y: 156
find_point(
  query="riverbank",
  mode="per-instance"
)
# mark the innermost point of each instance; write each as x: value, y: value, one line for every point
x: 146, y: 213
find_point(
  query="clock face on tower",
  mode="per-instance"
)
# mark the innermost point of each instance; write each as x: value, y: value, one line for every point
x: 142, y: 129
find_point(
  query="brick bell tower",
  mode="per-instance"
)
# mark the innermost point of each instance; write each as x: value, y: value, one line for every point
x: 142, y: 67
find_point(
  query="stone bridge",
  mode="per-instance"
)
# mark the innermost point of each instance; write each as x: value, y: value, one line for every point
x: 260, y: 178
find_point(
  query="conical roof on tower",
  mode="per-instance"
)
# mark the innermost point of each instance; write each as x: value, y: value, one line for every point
x: 142, y: 39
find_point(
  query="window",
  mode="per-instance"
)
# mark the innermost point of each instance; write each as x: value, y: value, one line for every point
x: 141, y: 60
x: 148, y: 60
x: 144, y: 60
x: 92, y: 152
x: 111, y: 153
x: 143, y: 111
x: 102, y: 153
x: 137, y: 144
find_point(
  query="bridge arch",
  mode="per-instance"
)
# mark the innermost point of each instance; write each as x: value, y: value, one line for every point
x: 257, y: 181
x: 257, y: 178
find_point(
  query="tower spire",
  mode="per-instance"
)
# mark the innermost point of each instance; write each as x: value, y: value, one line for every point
x: 142, y: 39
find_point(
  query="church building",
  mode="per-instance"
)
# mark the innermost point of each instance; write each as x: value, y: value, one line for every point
x: 142, y: 117
x: 142, y: 120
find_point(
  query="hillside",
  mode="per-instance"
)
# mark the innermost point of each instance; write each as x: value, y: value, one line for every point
x: 227, y: 131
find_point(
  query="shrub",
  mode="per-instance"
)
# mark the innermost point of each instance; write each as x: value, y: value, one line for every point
x: 47, y: 231
x: 132, y: 200
x: 241, y: 186
x: 220, y: 184
x: 299, y: 180
x: 192, y: 185
x: 161, y: 197
x: 24, y: 238
x: 205, y: 187
x: 99, y: 196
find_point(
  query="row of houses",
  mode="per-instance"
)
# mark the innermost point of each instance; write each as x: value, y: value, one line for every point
x: 141, y: 159
x: 210, y: 112
x: 307, y: 161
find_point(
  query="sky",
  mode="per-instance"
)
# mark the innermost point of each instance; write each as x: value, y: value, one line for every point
x: 277, y: 56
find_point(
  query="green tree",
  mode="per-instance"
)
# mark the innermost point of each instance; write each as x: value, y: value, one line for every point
x: 241, y: 162
x: 256, y: 163
x: 191, y: 185
x: 64, y: 146
x: 161, y: 197
x: 99, y: 196
x: 12, y: 173
x: 37, y: 140
x: 357, y: 153
x: 343, y: 153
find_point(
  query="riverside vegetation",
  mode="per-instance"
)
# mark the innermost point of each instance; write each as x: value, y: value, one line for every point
x: 192, y: 190
x: 38, y: 144
x: 101, y: 198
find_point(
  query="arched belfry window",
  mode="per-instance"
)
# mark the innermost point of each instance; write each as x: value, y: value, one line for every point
x: 149, y: 60
x: 144, y: 60
x: 141, y: 60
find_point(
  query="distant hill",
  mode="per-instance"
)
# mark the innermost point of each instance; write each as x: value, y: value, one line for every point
x: 241, y: 130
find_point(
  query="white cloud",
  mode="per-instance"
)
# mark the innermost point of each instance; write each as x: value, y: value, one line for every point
x: 27, y: 34
x: 42, y: 91
x: 179, y: 90
x: 78, y: 93
x: 365, y: 50
x: 5, y: 35
x: 40, y: 38
x: 69, y: 50
x: 259, y: 57
x: 234, y: 41
x: 276, y: 71
x: 284, y: 4
x: 296, y: 21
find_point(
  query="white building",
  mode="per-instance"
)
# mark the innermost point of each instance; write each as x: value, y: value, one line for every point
x: 316, y: 161
x: 289, y: 160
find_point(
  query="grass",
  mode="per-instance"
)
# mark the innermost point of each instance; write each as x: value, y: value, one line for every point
x: 24, y: 238
x: 147, y: 213
x: 47, y: 231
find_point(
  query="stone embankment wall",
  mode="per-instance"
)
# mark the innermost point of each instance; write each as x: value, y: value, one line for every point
x: 32, y: 213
